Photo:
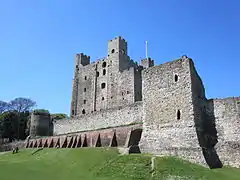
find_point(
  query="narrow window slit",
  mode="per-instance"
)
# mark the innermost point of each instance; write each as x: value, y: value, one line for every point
x: 178, y: 114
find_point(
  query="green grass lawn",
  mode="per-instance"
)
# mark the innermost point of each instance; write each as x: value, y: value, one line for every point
x: 101, y: 164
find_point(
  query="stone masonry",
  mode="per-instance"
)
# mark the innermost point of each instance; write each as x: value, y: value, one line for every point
x: 167, y: 102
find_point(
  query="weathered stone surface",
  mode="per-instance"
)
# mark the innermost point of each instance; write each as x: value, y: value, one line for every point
x: 108, y: 118
x: 41, y: 125
x: 107, y: 83
x: 227, y: 117
x: 112, y: 137
x: 177, y: 116
x: 163, y: 97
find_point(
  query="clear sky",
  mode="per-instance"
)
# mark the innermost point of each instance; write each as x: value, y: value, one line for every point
x: 39, y: 39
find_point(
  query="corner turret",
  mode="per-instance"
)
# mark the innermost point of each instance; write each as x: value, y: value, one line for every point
x: 147, y: 62
x: 82, y: 60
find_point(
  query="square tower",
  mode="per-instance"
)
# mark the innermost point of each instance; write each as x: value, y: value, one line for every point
x: 116, y: 46
x: 147, y: 62
x: 118, y: 53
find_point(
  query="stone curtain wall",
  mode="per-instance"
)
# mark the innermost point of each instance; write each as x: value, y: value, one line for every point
x: 227, y: 117
x: 112, y: 137
x: 168, y: 122
x: 204, y: 123
x: 178, y: 119
x: 103, y: 119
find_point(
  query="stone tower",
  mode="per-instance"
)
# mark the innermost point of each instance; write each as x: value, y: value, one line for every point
x: 110, y: 82
x: 41, y: 124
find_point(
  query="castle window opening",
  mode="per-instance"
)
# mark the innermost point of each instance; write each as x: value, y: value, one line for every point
x: 85, y: 77
x: 128, y: 92
x: 97, y: 73
x: 113, y: 50
x: 102, y: 98
x: 85, y: 89
x: 104, y: 64
x: 83, y: 111
x: 122, y: 51
x: 176, y: 78
x: 103, y: 85
x: 72, y: 112
x: 84, y: 101
x: 178, y: 114
x: 104, y: 71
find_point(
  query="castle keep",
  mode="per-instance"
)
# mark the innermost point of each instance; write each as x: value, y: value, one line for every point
x: 161, y: 109
x: 111, y: 82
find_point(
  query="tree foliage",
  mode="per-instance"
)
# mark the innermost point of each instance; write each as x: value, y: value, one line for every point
x: 21, y: 105
x: 59, y: 116
x: 14, y: 117
x: 3, y: 107
x: 13, y: 125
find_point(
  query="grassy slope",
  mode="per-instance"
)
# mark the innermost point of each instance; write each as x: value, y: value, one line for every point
x: 101, y: 164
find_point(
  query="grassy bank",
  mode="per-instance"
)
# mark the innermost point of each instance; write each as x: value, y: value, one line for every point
x: 101, y: 164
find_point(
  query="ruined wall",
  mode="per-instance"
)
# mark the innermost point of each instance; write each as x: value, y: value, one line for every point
x: 227, y: 117
x: 86, y: 87
x: 126, y: 90
x: 81, y: 60
x: 168, y: 122
x: 101, y: 83
x: 112, y: 137
x: 107, y: 83
x: 138, y: 84
x: 204, y: 122
x: 41, y: 124
x: 179, y: 120
x: 147, y: 62
x: 107, y: 118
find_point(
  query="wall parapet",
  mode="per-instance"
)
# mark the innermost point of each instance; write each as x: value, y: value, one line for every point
x: 104, y: 119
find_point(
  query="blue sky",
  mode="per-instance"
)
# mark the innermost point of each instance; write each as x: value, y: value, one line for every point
x: 39, y: 39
